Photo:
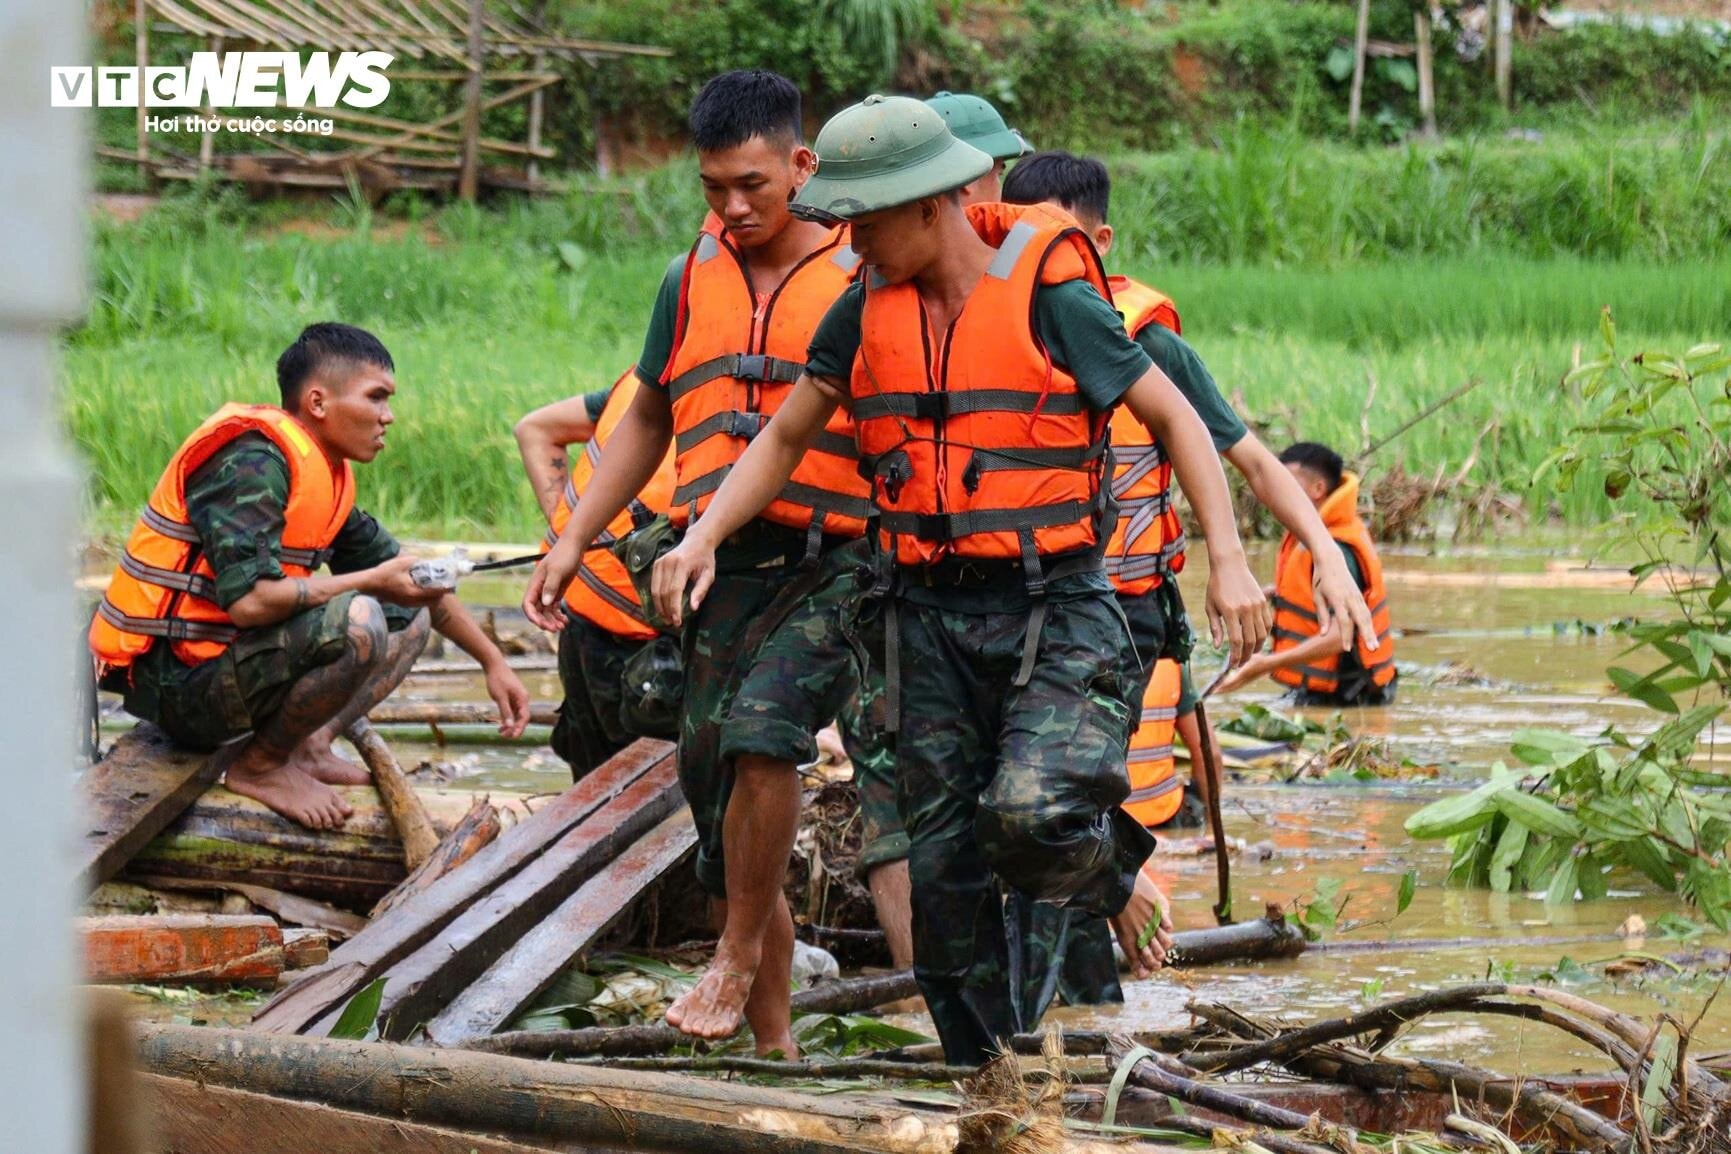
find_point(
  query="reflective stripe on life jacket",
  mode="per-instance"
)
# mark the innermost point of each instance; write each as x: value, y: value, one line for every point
x: 977, y: 443
x: 602, y: 591
x: 1147, y: 544
x: 1295, y: 618
x: 164, y: 586
x: 1156, y: 791
x: 733, y: 365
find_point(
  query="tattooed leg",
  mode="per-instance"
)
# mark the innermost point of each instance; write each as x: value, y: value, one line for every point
x: 260, y: 766
x: 316, y: 755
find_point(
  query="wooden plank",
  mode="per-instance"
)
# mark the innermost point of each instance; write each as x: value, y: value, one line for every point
x: 479, y: 828
x: 132, y: 795
x: 181, y: 948
x: 193, y: 1118
x: 421, y: 984
x: 302, y: 948
x: 391, y: 712
x: 395, y: 935
x: 530, y: 966
x: 533, y: 1100
x: 287, y: 907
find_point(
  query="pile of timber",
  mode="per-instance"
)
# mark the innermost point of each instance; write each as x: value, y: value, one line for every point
x: 464, y: 955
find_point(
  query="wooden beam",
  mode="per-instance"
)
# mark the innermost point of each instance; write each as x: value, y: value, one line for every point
x: 392, y: 712
x: 1426, y: 75
x: 420, y: 985
x: 134, y: 793
x: 1360, y: 36
x: 537, y: 109
x: 468, y: 182
x: 420, y: 839
x: 194, y: 1118
x: 395, y: 935
x: 530, y: 966
x: 181, y: 948
x: 207, y: 138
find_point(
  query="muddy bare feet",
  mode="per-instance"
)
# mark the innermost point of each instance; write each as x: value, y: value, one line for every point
x: 320, y: 762
x: 285, y: 788
x: 784, y: 1048
x: 1144, y: 926
x: 715, y: 1007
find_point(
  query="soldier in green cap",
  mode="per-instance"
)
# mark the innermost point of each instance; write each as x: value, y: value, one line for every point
x: 980, y: 358
x: 972, y: 119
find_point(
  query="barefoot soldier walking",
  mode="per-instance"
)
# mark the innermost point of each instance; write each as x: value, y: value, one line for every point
x: 217, y: 625
x: 980, y: 358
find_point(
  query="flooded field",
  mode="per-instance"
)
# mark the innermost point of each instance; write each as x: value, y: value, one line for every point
x: 1492, y: 642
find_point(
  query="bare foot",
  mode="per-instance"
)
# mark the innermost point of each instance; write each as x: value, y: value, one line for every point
x: 784, y: 1048
x: 715, y: 1007
x: 1145, y: 911
x: 288, y: 790
x: 322, y: 763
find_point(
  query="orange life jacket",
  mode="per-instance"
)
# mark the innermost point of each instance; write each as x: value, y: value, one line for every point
x: 1295, y: 598
x: 602, y: 592
x: 1147, y: 544
x: 733, y: 366
x: 978, y: 445
x: 1155, y: 789
x: 164, y: 585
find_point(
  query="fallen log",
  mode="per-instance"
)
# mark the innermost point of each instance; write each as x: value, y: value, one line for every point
x: 526, y: 1101
x: 414, y: 827
x: 287, y: 907
x: 479, y: 828
x: 131, y: 795
x: 228, y: 839
x: 175, y: 948
x: 392, y: 712
x: 1165, y: 1075
x: 420, y: 985
x: 407, y: 926
x: 1266, y: 937
x: 529, y: 966
x: 848, y: 996
x: 192, y: 1117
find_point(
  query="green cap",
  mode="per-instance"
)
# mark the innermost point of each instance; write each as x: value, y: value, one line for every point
x: 881, y: 152
x: 973, y: 119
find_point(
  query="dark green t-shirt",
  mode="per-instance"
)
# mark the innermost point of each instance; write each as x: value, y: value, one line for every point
x: 594, y: 402
x: 1173, y: 354
x: 663, y: 317
x: 1082, y: 331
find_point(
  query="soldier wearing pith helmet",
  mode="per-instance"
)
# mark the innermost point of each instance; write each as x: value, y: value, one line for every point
x: 980, y: 357
x: 973, y: 120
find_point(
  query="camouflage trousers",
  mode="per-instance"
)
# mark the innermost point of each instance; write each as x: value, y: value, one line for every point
x: 1008, y: 788
x: 771, y: 657
x: 883, y: 837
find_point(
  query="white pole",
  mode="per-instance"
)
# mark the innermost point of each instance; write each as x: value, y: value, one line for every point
x: 42, y: 204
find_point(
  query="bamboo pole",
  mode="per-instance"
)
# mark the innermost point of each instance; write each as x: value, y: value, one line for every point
x: 468, y: 183
x: 207, y: 138
x: 537, y: 110
x: 1426, y: 75
x: 1360, y: 41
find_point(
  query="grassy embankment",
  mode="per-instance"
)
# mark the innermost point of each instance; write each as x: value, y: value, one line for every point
x: 1301, y: 271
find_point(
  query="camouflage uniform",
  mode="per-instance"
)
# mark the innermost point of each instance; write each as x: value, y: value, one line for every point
x: 883, y: 837
x: 594, y: 722
x: 1012, y: 785
x: 768, y: 663
x: 236, y: 501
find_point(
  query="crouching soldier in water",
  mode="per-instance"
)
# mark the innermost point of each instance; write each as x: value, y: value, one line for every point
x: 608, y: 650
x: 767, y: 662
x: 217, y: 624
x: 1313, y: 653
x: 980, y: 359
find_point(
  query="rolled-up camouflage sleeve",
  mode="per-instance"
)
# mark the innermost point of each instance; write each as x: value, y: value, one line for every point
x: 236, y: 502
x: 362, y: 543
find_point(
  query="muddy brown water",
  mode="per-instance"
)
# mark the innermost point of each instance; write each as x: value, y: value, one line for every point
x: 1505, y: 615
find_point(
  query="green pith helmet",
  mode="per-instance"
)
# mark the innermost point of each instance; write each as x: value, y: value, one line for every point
x: 973, y: 119
x: 885, y: 151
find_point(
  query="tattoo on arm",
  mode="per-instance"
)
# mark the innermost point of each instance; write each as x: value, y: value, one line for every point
x: 439, y: 615
x: 303, y: 593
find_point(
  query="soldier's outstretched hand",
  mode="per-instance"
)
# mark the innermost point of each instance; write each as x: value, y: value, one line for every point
x: 689, y: 565
x: 1239, y: 616
x: 1338, y: 599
